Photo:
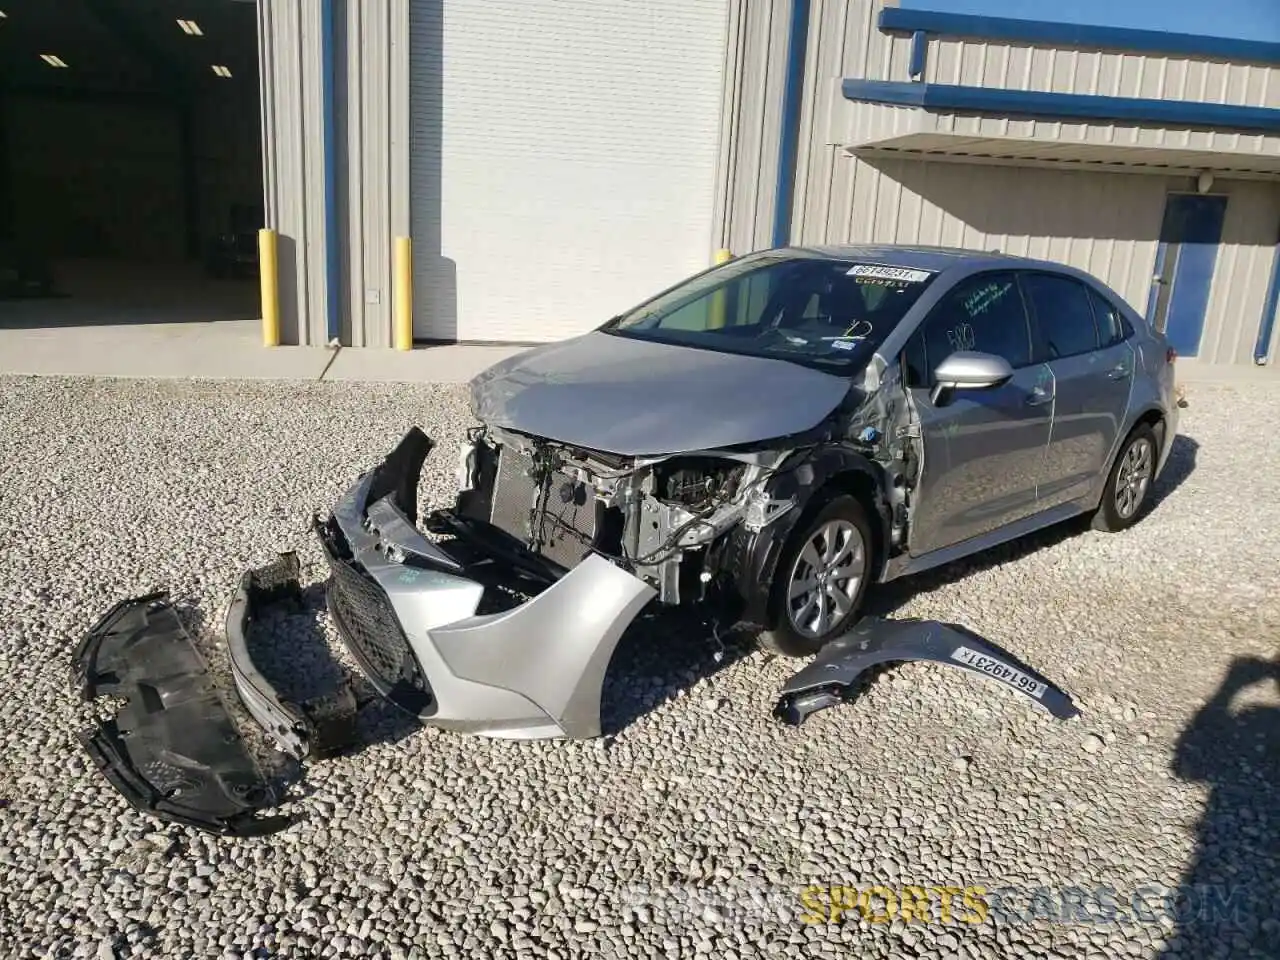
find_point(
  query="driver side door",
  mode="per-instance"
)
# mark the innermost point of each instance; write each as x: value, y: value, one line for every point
x: 983, y: 449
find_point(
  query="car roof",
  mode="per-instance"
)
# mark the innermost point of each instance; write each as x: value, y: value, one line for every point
x: 936, y: 259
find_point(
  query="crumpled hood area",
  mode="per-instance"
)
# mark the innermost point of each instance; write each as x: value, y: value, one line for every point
x: 635, y: 397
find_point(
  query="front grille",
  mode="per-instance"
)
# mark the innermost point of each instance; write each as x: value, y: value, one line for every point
x: 569, y: 527
x: 369, y: 627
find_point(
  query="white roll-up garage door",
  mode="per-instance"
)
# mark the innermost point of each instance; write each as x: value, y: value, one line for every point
x: 562, y: 159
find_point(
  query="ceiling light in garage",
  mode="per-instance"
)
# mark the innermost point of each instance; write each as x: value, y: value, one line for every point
x: 221, y: 71
x: 191, y: 28
x: 53, y: 60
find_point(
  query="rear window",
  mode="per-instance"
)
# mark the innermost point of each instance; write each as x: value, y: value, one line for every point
x: 1062, y: 313
x: 1113, y: 328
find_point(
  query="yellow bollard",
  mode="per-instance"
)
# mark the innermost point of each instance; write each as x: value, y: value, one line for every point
x: 402, y: 295
x: 269, y: 276
x: 716, y: 319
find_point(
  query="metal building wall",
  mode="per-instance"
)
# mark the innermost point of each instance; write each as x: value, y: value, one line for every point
x: 371, y: 91
x: 750, y: 124
x: 1243, y: 272
x: 373, y: 157
x: 1107, y: 223
x: 289, y: 63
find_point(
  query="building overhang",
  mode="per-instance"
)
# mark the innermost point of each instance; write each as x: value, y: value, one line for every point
x: 1026, y: 127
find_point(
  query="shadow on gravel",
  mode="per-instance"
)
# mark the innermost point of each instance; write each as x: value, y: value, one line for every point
x: 1180, y: 465
x: 1226, y: 903
x: 661, y: 655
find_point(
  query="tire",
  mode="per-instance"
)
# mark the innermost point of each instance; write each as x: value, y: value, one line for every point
x: 1129, y: 483
x: 804, y: 624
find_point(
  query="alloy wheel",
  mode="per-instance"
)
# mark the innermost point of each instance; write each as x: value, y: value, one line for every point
x: 825, y: 578
x: 1133, y: 477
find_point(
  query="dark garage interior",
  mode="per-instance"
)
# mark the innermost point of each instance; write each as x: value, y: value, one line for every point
x: 130, y: 161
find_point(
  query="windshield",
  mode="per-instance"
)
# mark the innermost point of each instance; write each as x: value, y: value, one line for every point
x: 791, y: 306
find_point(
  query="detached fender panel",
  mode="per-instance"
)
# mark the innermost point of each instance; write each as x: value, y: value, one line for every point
x: 172, y: 750
x: 831, y: 677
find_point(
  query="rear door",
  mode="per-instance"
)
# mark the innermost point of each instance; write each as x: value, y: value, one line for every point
x: 983, y: 449
x: 1082, y: 339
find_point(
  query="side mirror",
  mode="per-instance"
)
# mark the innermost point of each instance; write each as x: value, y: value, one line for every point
x: 969, y: 370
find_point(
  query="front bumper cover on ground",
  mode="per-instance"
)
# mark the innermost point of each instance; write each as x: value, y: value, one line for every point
x: 172, y: 749
x: 832, y: 676
x: 319, y: 726
x: 407, y: 609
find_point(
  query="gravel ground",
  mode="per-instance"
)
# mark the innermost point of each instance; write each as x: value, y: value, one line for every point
x: 695, y: 826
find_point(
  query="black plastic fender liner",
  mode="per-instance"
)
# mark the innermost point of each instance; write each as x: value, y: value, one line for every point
x: 318, y: 727
x: 804, y: 474
x: 172, y: 750
x: 831, y: 677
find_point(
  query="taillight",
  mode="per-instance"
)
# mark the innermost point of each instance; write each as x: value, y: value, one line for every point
x: 1170, y: 355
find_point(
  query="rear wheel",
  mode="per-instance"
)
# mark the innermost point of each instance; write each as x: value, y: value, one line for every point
x: 1129, y: 482
x: 821, y: 580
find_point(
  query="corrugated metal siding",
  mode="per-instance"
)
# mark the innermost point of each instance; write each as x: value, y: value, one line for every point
x: 1239, y: 289
x: 751, y: 124
x: 1106, y: 223
x: 289, y: 43
x: 841, y: 35
x: 565, y: 155
x: 1105, y: 72
x: 374, y: 186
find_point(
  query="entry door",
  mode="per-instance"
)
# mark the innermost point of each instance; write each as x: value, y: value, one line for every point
x: 983, y: 449
x: 1188, y: 252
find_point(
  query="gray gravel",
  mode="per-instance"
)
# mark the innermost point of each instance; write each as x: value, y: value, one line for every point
x: 694, y: 826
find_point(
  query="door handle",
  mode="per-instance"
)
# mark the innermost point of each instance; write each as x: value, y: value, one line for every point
x: 1038, y: 397
x: 1119, y: 371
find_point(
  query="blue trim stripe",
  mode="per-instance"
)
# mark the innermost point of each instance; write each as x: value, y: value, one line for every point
x: 1044, y: 32
x: 329, y: 123
x: 789, y: 137
x: 1063, y: 106
x: 1268, y: 322
x: 919, y: 49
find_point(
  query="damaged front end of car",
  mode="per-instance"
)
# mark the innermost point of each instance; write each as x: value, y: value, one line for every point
x: 439, y: 629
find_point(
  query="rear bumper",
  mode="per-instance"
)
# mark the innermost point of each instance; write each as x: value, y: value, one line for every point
x: 406, y: 608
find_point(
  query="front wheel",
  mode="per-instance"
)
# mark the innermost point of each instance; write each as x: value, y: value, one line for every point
x: 1129, y: 482
x: 821, y: 580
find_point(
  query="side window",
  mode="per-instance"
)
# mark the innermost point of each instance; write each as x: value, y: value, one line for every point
x: 1063, y: 316
x: 982, y: 313
x: 1112, y: 326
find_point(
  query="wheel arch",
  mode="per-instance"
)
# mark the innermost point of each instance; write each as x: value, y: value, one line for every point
x: 812, y: 480
x: 1151, y: 416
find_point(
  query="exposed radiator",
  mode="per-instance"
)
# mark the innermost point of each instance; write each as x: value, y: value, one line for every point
x: 570, y: 503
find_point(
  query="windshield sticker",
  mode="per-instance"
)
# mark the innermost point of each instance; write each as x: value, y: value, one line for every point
x: 878, y: 271
x: 848, y: 344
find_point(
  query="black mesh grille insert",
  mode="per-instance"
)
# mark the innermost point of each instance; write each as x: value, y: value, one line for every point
x: 369, y: 627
